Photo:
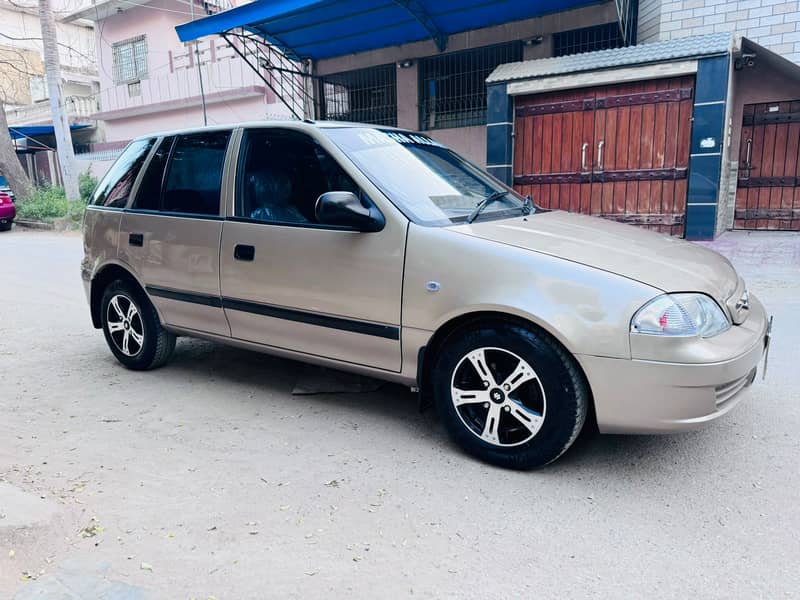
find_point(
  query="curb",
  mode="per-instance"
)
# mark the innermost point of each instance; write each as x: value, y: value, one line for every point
x: 35, y: 224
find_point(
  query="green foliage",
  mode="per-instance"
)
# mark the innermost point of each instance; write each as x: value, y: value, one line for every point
x: 45, y: 204
x: 86, y: 185
x: 50, y: 202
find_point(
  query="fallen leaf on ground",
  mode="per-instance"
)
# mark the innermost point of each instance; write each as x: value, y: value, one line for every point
x: 91, y: 530
x: 146, y: 567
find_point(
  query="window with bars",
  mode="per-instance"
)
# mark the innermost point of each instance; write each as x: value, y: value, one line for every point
x: 130, y: 59
x: 453, y: 86
x: 364, y: 96
x: 589, y: 39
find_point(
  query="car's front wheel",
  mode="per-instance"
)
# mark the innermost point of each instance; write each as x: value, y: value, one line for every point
x: 132, y: 327
x: 509, y: 394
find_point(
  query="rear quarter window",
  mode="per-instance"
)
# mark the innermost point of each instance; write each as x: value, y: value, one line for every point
x: 115, y: 188
x: 194, y: 174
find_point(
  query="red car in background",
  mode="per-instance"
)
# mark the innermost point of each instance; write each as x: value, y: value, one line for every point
x: 7, y: 210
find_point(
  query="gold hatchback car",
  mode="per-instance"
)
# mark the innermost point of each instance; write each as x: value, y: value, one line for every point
x: 381, y: 251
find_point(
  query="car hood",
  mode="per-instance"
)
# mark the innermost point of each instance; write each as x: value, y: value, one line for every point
x: 667, y: 263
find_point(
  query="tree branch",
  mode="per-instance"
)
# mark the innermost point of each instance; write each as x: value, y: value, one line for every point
x: 38, y: 39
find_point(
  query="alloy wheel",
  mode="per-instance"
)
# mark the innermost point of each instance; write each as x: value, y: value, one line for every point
x: 125, y: 325
x: 498, y: 396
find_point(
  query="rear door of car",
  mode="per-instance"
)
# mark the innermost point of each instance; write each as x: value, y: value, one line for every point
x: 104, y: 212
x: 288, y: 281
x: 171, y: 232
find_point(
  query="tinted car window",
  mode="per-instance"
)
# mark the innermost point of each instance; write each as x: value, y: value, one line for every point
x: 148, y: 196
x: 115, y: 187
x: 194, y: 174
x: 283, y: 174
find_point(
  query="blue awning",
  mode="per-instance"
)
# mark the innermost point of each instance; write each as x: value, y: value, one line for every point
x: 36, y: 130
x: 326, y: 28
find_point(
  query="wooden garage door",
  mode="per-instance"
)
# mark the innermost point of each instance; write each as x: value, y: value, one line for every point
x: 768, y: 186
x: 621, y: 152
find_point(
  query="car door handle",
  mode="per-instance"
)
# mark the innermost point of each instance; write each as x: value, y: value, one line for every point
x: 136, y: 239
x: 244, y: 252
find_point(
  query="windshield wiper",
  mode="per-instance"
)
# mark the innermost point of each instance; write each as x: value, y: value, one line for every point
x: 494, y: 197
x: 527, y: 205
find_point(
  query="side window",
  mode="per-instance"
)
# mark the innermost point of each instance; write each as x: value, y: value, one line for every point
x: 148, y: 196
x: 194, y: 175
x: 116, y: 186
x: 282, y: 175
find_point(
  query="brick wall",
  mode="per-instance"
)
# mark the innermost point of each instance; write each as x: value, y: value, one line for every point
x: 649, y: 20
x: 774, y: 24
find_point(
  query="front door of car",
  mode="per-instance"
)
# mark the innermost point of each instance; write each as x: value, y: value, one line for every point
x: 290, y: 282
x: 170, y: 235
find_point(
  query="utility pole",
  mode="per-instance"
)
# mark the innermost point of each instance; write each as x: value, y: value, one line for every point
x: 52, y: 65
x: 199, y: 69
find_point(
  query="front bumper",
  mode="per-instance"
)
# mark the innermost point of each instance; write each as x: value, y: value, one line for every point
x: 640, y: 396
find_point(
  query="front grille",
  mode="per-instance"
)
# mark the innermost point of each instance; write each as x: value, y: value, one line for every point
x: 727, y: 391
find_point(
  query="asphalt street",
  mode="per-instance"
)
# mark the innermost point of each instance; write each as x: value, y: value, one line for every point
x: 208, y: 478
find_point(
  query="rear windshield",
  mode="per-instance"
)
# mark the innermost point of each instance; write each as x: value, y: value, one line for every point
x: 114, y: 189
x: 430, y: 183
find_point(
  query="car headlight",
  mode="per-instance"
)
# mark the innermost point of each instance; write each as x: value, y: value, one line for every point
x: 680, y: 315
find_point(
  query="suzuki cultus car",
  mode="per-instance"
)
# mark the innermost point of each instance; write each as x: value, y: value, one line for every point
x: 382, y: 252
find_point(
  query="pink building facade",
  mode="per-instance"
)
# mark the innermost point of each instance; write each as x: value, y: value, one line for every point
x: 150, y: 82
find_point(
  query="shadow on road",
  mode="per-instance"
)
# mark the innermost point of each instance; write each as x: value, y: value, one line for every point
x: 274, y: 375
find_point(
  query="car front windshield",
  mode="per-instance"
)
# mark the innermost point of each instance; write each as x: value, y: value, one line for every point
x: 430, y: 183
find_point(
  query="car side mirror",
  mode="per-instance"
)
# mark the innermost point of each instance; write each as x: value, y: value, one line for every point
x: 344, y: 209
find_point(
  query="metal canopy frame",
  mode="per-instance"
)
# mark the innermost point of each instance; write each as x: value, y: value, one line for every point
x: 279, y: 39
x: 287, y: 78
x: 319, y: 29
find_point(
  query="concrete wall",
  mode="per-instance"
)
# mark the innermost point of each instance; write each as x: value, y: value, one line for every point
x: 21, y: 55
x: 756, y: 85
x: 649, y: 20
x: 469, y: 141
x: 219, y: 113
x: 97, y: 168
x: 170, y: 96
x: 774, y: 24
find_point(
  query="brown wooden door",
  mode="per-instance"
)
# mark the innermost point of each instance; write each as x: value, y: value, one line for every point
x: 553, y: 141
x: 622, y: 152
x: 768, y: 186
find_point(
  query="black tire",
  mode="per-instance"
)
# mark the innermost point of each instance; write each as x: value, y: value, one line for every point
x: 157, y: 343
x: 558, y: 394
x: 6, y: 226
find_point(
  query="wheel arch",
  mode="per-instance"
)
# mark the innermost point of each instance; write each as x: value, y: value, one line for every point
x: 427, y: 354
x: 101, y: 280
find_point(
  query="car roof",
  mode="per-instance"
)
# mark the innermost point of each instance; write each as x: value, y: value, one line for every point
x: 306, y: 124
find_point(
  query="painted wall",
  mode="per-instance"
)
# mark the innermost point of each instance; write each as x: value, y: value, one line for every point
x: 774, y: 24
x: 469, y: 141
x: 21, y: 50
x: 230, y: 111
x: 170, y: 96
x: 77, y: 48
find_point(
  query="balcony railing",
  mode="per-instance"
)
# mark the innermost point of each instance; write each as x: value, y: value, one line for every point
x: 224, y: 76
x: 79, y: 108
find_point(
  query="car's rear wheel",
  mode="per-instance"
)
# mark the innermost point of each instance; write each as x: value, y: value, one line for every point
x: 132, y: 327
x: 6, y: 226
x: 509, y: 394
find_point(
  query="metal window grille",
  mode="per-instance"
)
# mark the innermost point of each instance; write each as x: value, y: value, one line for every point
x: 366, y: 96
x: 130, y: 59
x: 597, y: 37
x: 453, y: 86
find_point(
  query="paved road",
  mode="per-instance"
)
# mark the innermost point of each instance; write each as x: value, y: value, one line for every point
x: 208, y: 478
